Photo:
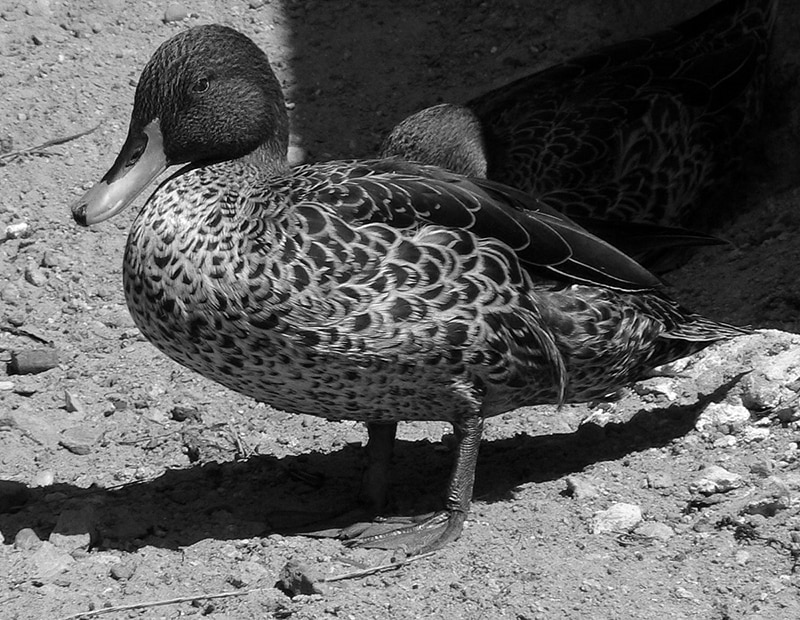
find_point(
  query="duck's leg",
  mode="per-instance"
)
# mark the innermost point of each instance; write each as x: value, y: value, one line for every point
x: 436, y: 530
x: 375, y: 481
x: 372, y: 495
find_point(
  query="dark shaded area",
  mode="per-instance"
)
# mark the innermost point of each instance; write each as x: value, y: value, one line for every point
x: 263, y: 494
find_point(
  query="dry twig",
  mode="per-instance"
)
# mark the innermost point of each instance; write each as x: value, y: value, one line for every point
x: 378, y: 569
x: 197, y: 597
x: 39, y: 148
x: 149, y: 604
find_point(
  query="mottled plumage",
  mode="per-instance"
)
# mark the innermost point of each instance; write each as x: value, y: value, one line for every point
x: 378, y: 290
x: 642, y: 131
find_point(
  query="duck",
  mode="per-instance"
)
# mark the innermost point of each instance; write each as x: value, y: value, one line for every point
x: 377, y: 290
x: 644, y: 132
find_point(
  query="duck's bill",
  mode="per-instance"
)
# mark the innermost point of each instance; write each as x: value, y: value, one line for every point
x: 139, y: 162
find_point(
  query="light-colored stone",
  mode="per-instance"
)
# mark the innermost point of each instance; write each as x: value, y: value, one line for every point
x: 122, y: 571
x: 755, y: 433
x: 80, y: 440
x: 43, y: 479
x: 72, y: 402
x: 175, y: 12
x: 618, y: 517
x: 655, y: 530
x: 716, y: 479
x: 49, y: 562
x: 26, y: 539
x: 726, y: 418
x: 660, y: 480
x: 15, y: 231
x: 581, y: 488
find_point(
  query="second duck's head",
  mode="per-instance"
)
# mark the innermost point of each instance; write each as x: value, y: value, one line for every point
x: 208, y: 94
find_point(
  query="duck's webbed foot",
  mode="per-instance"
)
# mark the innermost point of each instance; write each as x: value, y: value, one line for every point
x: 415, y: 535
x: 432, y: 531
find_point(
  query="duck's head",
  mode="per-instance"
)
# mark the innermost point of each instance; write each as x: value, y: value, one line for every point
x: 207, y: 95
x: 445, y: 135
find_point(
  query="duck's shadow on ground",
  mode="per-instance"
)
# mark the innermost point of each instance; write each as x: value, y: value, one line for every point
x: 265, y: 494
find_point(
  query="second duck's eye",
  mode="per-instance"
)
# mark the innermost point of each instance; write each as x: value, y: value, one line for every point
x: 200, y: 86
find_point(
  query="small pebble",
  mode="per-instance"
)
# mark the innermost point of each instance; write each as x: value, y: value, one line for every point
x: 16, y: 231
x: 51, y: 259
x: 742, y: 557
x: 759, y: 393
x: 660, y: 480
x: 255, y: 4
x: 295, y: 578
x: 26, y: 539
x: 10, y: 293
x: 726, y: 441
x: 79, y: 440
x: 787, y: 415
x: 33, y: 361
x: 715, y: 479
x: 175, y: 12
x: 655, y: 530
x: 35, y: 276
x: 17, y: 319
x: 773, y: 497
x: 43, y: 479
x: 656, y: 388
x: 753, y: 433
x: 619, y: 517
x: 181, y: 413
x: 49, y: 562
x: 72, y: 403
x: 580, y: 488
x: 724, y: 418
x: 122, y: 571
x: 763, y: 468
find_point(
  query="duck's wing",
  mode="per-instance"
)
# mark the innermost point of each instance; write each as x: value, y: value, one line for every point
x: 632, y: 115
x: 406, y: 196
x: 634, y: 238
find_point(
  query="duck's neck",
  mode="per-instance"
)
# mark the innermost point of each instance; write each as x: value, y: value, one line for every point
x: 269, y: 159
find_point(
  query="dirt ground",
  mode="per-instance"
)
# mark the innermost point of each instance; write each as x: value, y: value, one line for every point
x: 128, y: 480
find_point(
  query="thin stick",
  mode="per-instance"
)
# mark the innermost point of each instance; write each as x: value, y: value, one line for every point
x: 148, y: 604
x: 8, y: 599
x: 378, y: 569
x: 196, y: 597
x: 47, y: 144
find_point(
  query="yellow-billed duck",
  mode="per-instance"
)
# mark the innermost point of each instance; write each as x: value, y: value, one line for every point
x: 377, y: 291
x: 646, y: 131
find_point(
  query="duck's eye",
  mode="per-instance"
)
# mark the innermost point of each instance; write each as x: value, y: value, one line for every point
x: 200, y: 86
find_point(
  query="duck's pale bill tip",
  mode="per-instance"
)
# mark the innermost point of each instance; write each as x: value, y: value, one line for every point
x: 79, y: 213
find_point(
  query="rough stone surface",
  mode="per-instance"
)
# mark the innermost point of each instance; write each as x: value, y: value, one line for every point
x: 617, y: 518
